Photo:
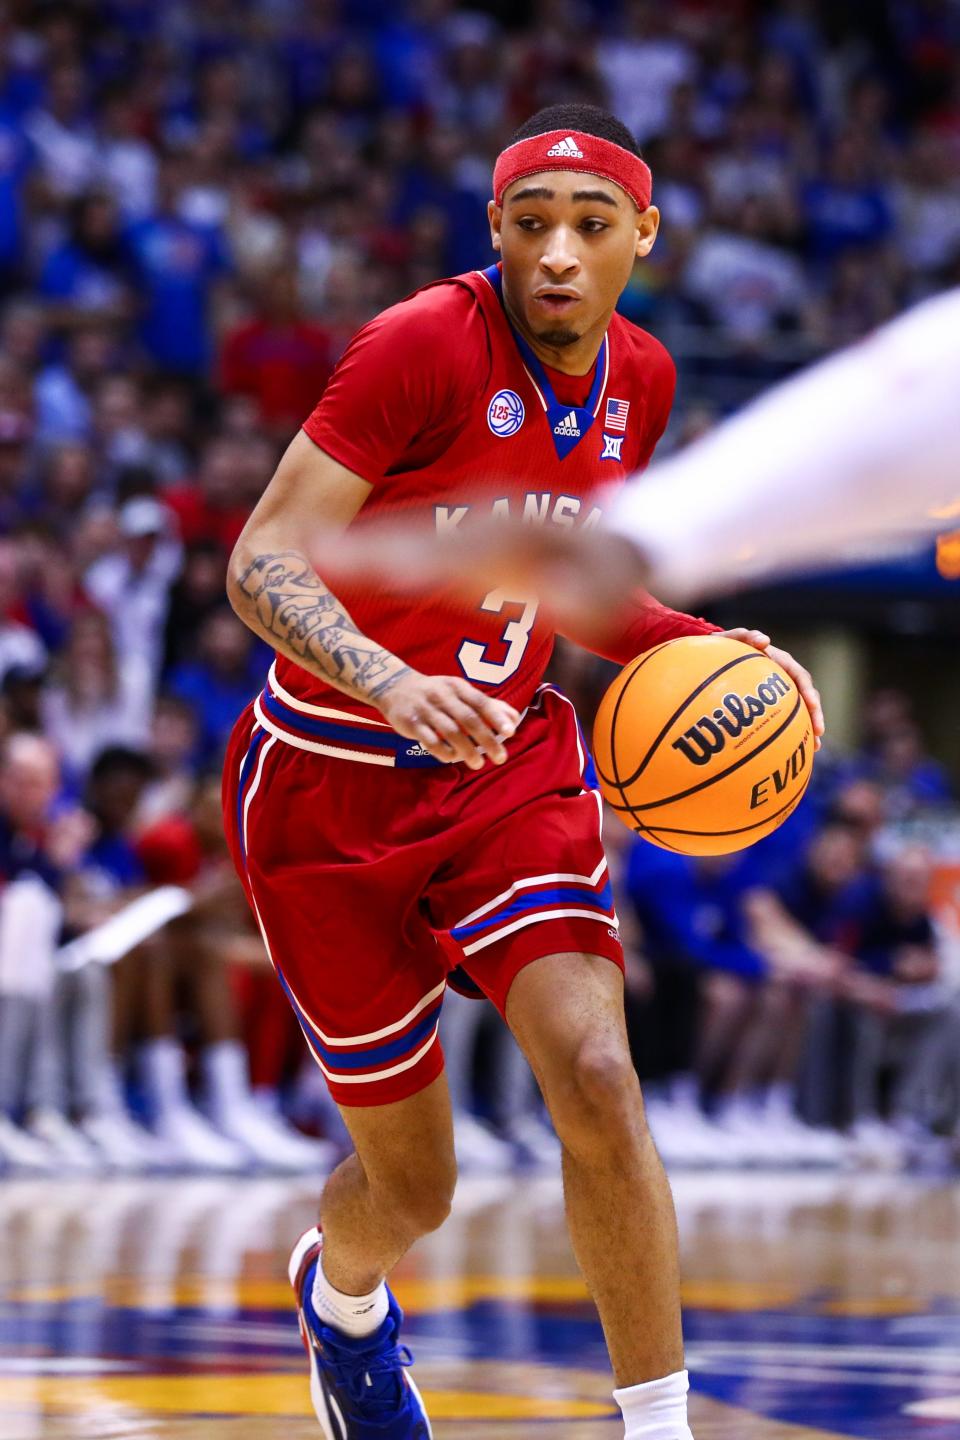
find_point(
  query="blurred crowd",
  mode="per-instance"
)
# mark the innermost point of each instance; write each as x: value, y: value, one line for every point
x: 199, y: 204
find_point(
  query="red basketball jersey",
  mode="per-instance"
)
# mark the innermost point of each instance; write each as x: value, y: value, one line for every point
x: 507, y: 449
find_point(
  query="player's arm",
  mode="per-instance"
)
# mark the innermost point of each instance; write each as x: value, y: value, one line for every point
x: 861, y: 448
x: 277, y: 593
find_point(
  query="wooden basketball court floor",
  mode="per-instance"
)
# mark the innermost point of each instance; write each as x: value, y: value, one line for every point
x: 817, y: 1306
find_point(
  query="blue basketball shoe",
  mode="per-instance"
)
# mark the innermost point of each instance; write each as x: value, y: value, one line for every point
x: 361, y: 1389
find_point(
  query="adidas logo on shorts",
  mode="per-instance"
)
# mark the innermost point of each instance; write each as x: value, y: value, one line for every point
x: 568, y: 426
x: 568, y: 149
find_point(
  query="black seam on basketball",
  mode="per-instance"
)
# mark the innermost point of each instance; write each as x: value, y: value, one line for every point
x: 613, y: 720
x: 722, y: 774
x: 639, y: 664
x: 740, y: 660
x: 673, y: 830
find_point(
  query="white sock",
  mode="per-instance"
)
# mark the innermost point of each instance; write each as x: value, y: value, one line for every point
x: 656, y: 1410
x: 355, y: 1315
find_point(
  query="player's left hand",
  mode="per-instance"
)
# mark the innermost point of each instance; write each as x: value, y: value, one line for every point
x: 800, y: 677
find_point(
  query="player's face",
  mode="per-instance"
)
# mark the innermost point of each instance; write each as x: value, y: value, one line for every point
x: 568, y: 243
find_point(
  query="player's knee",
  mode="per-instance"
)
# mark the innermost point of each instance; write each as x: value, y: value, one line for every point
x: 600, y: 1100
x: 420, y: 1199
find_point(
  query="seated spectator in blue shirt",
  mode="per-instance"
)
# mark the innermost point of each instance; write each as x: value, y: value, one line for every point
x: 897, y: 939
x: 227, y: 672
x: 846, y: 208
x: 691, y: 909
x: 829, y: 889
x: 910, y: 779
x: 117, y: 780
x: 177, y: 264
x: 87, y: 277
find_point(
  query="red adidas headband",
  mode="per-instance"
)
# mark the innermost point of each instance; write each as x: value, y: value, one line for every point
x: 573, y: 150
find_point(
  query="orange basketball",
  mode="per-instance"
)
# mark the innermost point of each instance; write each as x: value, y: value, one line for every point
x: 703, y: 745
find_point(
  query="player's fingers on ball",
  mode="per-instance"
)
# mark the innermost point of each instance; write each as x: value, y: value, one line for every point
x: 758, y: 638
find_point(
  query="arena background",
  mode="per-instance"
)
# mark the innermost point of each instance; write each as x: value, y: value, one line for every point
x: 200, y: 203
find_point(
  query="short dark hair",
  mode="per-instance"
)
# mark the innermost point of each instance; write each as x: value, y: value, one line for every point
x: 588, y: 119
x: 121, y: 760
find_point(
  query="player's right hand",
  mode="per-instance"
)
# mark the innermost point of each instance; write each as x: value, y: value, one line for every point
x: 450, y: 719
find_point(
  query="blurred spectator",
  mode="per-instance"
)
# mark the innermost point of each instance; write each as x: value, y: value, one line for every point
x: 928, y: 205
x: 117, y: 780
x: 211, y: 511
x: 278, y: 356
x: 62, y: 135
x: 909, y: 777
x: 177, y: 264
x: 189, y: 849
x: 198, y: 592
x: 167, y: 420
x: 902, y: 1008
x: 23, y: 332
x: 22, y: 694
x: 743, y: 280
x: 37, y: 850
x: 173, y: 749
x: 471, y: 93
x: 642, y: 65
x: 227, y: 672
x: 85, y: 278
x: 19, y: 642
x: 64, y: 390
x: 127, y: 163
x: 846, y: 208
x: 132, y: 584
x: 67, y: 488
x: 93, y: 702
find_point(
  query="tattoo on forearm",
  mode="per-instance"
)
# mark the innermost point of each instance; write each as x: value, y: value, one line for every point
x: 289, y: 602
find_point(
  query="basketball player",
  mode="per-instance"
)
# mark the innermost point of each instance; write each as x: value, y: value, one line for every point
x: 405, y: 797
x: 859, y: 449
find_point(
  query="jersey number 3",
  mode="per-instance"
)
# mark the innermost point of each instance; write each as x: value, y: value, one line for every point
x: 516, y: 633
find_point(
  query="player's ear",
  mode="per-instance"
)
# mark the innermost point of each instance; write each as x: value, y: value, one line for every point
x: 648, y: 223
x: 495, y: 216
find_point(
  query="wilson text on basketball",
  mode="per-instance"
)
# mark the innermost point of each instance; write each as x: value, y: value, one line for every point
x: 735, y: 714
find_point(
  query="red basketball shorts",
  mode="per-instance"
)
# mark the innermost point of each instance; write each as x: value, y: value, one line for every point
x: 373, y: 871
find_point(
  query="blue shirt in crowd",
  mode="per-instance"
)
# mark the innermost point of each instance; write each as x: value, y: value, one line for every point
x: 177, y: 263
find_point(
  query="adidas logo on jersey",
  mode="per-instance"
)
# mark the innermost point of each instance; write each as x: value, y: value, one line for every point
x: 566, y: 149
x: 568, y: 426
x: 417, y: 750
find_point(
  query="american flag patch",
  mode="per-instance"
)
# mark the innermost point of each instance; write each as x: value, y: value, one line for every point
x: 617, y: 412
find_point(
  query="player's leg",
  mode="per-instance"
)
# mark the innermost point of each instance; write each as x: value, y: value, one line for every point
x: 529, y: 902
x: 396, y: 1187
x: 567, y: 1014
x: 338, y: 908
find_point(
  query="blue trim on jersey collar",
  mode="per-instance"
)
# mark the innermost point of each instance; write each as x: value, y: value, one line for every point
x: 568, y: 423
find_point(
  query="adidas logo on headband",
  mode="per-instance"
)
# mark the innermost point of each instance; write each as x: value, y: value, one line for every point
x: 567, y: 148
